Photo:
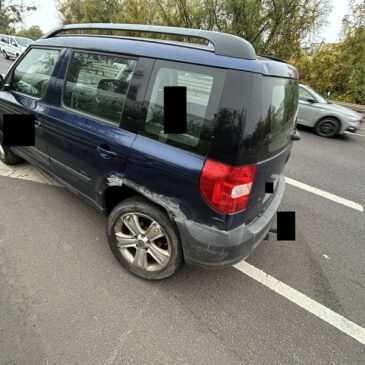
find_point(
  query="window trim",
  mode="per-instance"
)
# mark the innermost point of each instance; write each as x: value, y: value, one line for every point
x: 15, y: 65
x: 64, y: 81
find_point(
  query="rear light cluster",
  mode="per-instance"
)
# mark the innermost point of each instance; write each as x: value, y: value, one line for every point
x: 226, y: 188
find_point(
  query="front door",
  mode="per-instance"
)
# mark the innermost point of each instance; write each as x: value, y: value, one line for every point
x: 29, y: 82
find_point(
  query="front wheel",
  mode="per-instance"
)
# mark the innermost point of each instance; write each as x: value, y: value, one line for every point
x: 143, y: 239
x: 328, y: 127
x: 5, y: 55
x: 8, y: 157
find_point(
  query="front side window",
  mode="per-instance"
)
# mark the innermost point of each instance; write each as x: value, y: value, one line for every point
x: 203, y: 90
x: 97, y: 84
x: 32, y: 74
x: 304, y: 94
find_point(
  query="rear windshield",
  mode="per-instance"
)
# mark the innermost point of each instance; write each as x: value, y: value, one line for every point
x: 279, y: 110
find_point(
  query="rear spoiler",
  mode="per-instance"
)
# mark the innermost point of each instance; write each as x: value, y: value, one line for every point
x: 274, y: 58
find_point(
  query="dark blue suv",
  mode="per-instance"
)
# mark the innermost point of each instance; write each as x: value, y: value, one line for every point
x: 198, y: 196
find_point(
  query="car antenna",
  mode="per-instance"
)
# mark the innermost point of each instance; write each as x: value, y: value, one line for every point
x: 259, y: 32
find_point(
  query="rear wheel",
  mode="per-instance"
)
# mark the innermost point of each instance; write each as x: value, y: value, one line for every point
x: 327, y: 127
x: 143, y: 239
x: 8, y: 156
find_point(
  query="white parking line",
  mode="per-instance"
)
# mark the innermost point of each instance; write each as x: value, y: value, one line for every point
x: 26, y: 172
x: 325, y: 194
x: 310, y: 305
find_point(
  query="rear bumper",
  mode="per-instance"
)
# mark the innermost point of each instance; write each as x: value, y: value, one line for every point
x: 210, y: 247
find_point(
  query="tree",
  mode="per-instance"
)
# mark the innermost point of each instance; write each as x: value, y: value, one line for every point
x: 70, y: 11
x: 11, y: 14
x: 279, y: 26
x: 34, y: 32
x: 339, y: 68
x: 352, y: 60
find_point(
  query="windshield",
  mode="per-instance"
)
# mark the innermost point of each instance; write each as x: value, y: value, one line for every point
x: 23, y: 42
x: 319, y: 98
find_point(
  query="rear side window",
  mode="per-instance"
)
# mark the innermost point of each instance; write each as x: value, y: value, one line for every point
x: 203, y: 85
x: 32, y: 74
x: 97, y: 84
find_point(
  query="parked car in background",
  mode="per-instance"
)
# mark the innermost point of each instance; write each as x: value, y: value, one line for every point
x: 12, y: 46
x: 197, y: 196
x: 326, y: 118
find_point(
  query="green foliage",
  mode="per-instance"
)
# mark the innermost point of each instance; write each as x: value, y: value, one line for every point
x: 339, y: 68
x: 11, y: 14
x: 33, y: 32
x: 278, y: 28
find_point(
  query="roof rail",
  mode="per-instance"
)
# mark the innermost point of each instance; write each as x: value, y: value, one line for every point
x: 224, y: 44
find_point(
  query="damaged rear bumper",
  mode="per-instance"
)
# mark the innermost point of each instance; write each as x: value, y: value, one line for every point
x: 210, y: 247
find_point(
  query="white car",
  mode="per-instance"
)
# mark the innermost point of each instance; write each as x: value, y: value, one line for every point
x: 13, y: 46
x: 327, y: 119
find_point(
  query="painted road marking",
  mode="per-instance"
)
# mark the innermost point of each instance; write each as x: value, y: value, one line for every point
x: 325, y: 194
x: 329, y: 316
x: 26, y: 171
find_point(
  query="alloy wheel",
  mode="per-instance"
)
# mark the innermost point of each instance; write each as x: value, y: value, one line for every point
x: 142, y: 241
x: 327, y: 128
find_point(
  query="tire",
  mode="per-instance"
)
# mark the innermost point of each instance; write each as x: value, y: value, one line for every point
x: 5, y: 55
x: 152, y: 256
x: 328, y: 127
x: 8, y: 156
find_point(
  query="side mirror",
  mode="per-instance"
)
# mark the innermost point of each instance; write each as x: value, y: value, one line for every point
x: 1, y: 81
x: 328, y: 94
x: 310, y: 100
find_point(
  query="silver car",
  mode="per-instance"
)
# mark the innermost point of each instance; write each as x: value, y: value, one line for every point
x: 327, y: 119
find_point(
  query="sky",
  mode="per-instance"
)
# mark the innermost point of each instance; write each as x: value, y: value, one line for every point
x: 47, y: 18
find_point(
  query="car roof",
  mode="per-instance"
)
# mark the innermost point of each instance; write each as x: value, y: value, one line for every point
x: 167, y: 50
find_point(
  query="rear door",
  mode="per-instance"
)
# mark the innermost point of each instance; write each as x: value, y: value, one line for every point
x: 85, y: 142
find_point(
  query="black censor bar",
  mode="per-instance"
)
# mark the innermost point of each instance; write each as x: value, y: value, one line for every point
x: 175, y: 109
x: 18, y: 130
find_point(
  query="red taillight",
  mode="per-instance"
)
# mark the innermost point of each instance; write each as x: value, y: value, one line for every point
x: 226, y: 188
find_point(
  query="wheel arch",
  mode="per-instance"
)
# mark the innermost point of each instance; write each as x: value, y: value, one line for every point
x: 113, y: 195
x: 329, y: 116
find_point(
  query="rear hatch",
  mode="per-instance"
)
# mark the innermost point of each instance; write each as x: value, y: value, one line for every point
x: 277, y: 125
x: 258, y: 132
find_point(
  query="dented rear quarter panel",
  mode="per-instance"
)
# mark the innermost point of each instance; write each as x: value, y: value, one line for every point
x: 170, y: 177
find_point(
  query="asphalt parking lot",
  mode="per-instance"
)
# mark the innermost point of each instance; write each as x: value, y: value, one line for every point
x: 64, y: 299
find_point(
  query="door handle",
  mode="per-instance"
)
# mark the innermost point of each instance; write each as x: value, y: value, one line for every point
x: 105, y: 152
x: 37, y: 123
